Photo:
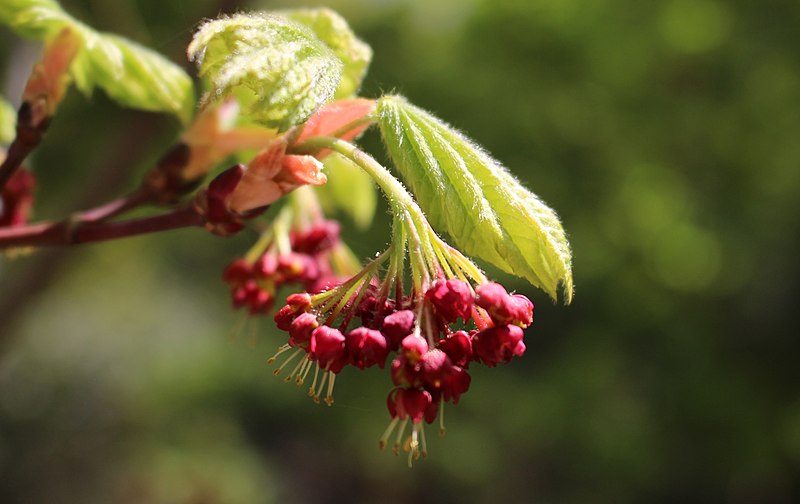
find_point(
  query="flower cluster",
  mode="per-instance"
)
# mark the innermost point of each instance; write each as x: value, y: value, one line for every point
x: 305, y: 263
x: 434, y: 337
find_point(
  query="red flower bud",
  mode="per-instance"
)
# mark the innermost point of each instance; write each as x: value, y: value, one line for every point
x: 451, y: 299
x: 366, y: 347
x: 499, y: 344
x: 502, y: 307
x: 300, y: 330
x: 397, y: 326
x: 327, y: 347
x: 458, y: 346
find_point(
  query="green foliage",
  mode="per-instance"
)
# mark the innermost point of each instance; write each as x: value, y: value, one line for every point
x: 8, y: 120
x: 348, y: 189
x: 488, y: 213
x: 132, y: 75
x: 332, y: 29
x: 36, y: 19
x: 277, y: 68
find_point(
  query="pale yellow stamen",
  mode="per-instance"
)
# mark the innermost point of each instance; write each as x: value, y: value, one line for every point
x: 321, y: 386
x: 400, y: 432
x: 384, y: 439
x: 301, y: 375
x: 281, y: 349
x: 296, y: 368
x: 329, y: 396
x: 311, y: 389
x: 287, y: 361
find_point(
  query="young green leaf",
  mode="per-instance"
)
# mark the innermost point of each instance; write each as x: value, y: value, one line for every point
x: 486, y: 211
x: 8, y: 121
x: 36, y: 19
x: 332, y: 29
x: 277, y: 68
x: 348, y: 189
x: 132, y: 75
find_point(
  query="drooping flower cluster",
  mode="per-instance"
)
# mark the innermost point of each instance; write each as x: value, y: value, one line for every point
x: 434, y: 337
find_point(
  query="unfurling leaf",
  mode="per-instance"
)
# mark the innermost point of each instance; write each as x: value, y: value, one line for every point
x: 486, y: 211
x: 36, y: 19
x: 277, y: 68
x: 334, y: 31
x: 349, y: 189
x: 8, y: 122
x: 132, y: 75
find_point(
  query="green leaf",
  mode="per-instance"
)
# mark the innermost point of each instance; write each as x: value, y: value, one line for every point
x: 332, y: 29
x: 348, y: 189
x: 132, y: 75
x: 36, y: 19
x: 486, y: 211
x: 277, y: 68
x: 8, y: 122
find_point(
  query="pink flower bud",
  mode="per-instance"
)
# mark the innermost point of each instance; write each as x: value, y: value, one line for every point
x: 502, y: 307
x: 237, y: 272
x: 327, y: 347
x: 397, y: 326
x: 413, y: 403
x: 451, y: 299
x: 458, y: 346
x: 319, y: 238
x: 366, y: 347
x: 300, y: 330
x: 413, y: 347
x: 497, y: 345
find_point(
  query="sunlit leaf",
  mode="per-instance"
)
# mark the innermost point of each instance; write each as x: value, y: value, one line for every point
x: 332, y: 29
x: 277, y: 68
x: 131, y: 74
x: 37, y: 19
x: 8, y: 121
x: 349, y: 189
x: 486, y: 211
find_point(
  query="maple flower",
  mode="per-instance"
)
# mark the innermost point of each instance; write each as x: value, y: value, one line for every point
x: 423, y: 335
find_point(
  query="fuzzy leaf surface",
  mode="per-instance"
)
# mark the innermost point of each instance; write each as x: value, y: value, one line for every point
x: 472, y: 197
x: 129, y: 73
x: 334, y: 31
x: 277, y: 68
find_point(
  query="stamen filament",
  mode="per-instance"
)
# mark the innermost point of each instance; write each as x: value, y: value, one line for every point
x: 321, y: 385
x: 289, y: 376
x: 287, y: 361
x: 400, y: 432
x: 311, y: 389
x: 384, y: 439
x: 329, y: 396
x: 281, y: 349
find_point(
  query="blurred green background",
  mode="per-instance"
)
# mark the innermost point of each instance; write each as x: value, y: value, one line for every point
x: 667, y: 136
